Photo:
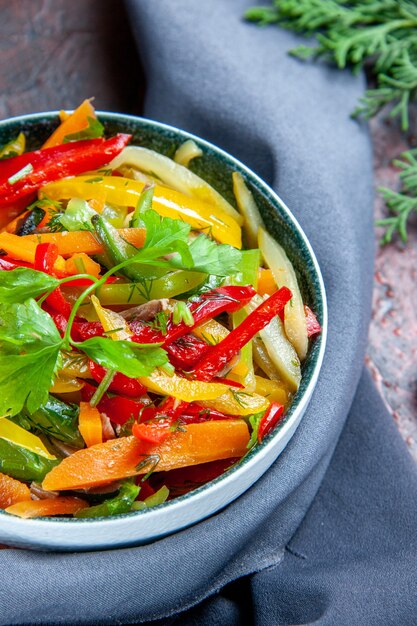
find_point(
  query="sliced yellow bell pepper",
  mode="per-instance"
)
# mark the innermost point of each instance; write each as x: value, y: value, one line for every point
x: 182, y: 388
x: 272, y: 390
x: 167, y: 202
x: 14, y: 147
x: 112, y: 322
x: 237, y: 402
x: 213, y: 332
x: 21, y: 437
x: 66, y: 384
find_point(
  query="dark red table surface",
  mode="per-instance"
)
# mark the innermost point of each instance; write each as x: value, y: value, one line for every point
x: 55, y: 53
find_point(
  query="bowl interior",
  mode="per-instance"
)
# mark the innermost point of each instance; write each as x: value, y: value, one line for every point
x: 216, y: 167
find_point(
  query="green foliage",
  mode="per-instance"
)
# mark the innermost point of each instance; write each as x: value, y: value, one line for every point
x: 381, y: 34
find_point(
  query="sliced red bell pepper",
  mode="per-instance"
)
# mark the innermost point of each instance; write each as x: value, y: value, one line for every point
x: 120, y: 384
x: 7, y: 264
x: 45, y: 256
x: 156, y: 422
x: 44, y: 166
x: 313, y: 326
x: 219, y: 355
x: 117, y: 408
x: 185, y: 479
x: 186, y: 352
x: 194, y: 413
x: 270, y: 419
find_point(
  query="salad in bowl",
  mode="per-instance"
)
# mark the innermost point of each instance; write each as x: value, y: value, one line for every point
x: 152, y: 331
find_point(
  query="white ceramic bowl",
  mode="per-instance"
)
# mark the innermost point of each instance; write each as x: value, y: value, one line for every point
x: 148, y: 525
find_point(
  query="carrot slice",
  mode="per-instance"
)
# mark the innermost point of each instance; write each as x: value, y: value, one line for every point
x: 90, y: 425
x: 266, y: 282
x: 12, y: 491
x: 78, y: 120
x: 82, y: 241
x: 127, y: 456
x: 45, y: 508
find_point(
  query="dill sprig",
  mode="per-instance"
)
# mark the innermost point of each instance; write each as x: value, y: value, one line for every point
x: 401, y: 203
x: 378, y: 34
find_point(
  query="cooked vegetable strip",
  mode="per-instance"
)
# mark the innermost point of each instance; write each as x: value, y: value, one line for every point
x: 237, y: 402
x: 182, y: 388
x: 55, y: 163
x: 122, y: 503
x: 186, y: 152
x: 284, y: 274
x: 12, y: 491
x: 271, y: 389
x: 19, y: 436
x: 281, y: 352
x: 75, y: 122
x: 80, y: 241
x: 266, y: 282
x: 115, y: 460
x: 219, y: 355
x: 167, y: 202
x: 175, y: 176
x: 252, y: 219
x: 46, y: 508
x: 89, y: 424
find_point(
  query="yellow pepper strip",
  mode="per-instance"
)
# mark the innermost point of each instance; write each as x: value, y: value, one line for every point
x: 74, y: 365
x: 21, y: 437
x: 83, y: 241
x: 167, y: 202
x: 75, y: 122
x: 272, y: 390
x: 182, y: 388
x: 213, y: 332
x: 23, y: 249
x: 66, y: 384
x: 237, y: 402
x: 112, y: 322
x: 81, y: 263
x: 90, y: 425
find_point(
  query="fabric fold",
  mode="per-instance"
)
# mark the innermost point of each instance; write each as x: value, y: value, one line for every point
x: 230, y: 82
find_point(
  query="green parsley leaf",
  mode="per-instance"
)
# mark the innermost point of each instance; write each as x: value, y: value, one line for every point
x: 94, y: 130
x: 210, y: 257
x: 254, y: 421
x: 129, y: 358
x: 22, y: 283
x: 29, y: 356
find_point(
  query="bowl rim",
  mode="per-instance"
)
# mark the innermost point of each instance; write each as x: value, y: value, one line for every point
x: 298, y: 405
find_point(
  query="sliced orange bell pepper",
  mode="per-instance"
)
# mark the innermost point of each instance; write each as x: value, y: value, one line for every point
x: 83, y: 241
x: 121, y: 458
x: 266, y: 282
x: 167, y: 202
x: 81, y: 263
x: 47, y: 507
x: 24, y: 249
x: 12, y: 491
x: 90, y: 425
x: 75, y: 122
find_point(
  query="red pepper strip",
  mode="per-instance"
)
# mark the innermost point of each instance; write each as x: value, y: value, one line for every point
x: 60, y: 320
x: 270, y: 419
x: 6, y: 263
x: 209, y: 305
x: 86, y: 330
x: 145, y: 489
x: 219, y: 355
x: 313, y: 327
x: 118, y: 409
x: 70, y: 159
x: 45, y: 256
x: 194, y: 413
x: 120, y: 383
x: 158, y: 428
x: 185, y: 479
x: 186, y: 352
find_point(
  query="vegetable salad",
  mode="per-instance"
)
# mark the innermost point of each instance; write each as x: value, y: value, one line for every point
x: 144, y: 349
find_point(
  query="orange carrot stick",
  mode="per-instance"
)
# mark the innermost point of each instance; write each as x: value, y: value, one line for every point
x: 120, y: 458
x: 12, y: 491
x: 77, y: 121
x: 83, y: 241
x: 90, y: 425
x: 48, y: 507
x: 81, y: 263
x: 24, y: 249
